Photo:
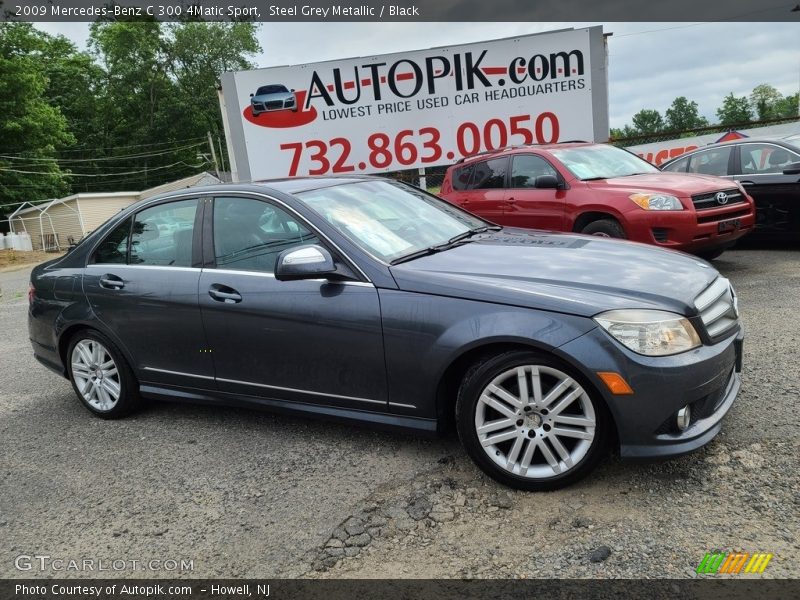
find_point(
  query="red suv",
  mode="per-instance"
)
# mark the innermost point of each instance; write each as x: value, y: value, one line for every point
x: 601, y: 190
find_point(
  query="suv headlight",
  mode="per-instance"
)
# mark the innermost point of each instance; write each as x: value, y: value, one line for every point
x: 650, y: 332
x: 656, y: 201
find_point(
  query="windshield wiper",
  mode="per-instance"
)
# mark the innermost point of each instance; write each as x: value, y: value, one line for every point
x: 593, y: 178
x: 461, y: 237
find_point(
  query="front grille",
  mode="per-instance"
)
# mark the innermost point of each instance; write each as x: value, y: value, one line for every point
x: 272, y: 105
x: 722, y: 217
x: 710, y: 200
x: 717, y: 308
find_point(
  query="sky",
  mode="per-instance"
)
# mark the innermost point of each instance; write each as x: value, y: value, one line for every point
x: 650, y: 64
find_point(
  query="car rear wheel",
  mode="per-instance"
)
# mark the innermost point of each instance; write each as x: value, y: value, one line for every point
x: 100, y: 376
x: 529, y: 422
x: 605, y: 228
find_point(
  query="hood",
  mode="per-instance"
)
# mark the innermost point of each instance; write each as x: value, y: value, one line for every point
x: 676, y: 184
x: 567, y: 273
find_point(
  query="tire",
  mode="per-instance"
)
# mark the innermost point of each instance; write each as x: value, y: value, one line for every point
x: 605, y: 228
x: 553, y: 460
x: 711, y: 254
x: 89, y: 350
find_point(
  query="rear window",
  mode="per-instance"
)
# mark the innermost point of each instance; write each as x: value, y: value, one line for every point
x: 461, y: 178
x: 489, y: 174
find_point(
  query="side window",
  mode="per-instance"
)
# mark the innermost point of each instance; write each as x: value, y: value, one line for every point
x: 679, y: 166
x: 489, y: 174
x: 765, y: 158
x: 249, y: 234
x: 711, y: 162
x: 525, y: 168
x: 461, y: 178
x: 114, y: 249
x: 162, y: 235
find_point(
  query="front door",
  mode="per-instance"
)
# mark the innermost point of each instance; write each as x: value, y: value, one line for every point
x: 311, y: 341
x: 142, y: 285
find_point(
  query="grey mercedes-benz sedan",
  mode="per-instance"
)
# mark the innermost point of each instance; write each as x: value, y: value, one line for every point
x: 364, y: 299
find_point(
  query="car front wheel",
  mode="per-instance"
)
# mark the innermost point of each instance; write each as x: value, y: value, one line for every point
x: 100, y: 376
x: 529, y: 422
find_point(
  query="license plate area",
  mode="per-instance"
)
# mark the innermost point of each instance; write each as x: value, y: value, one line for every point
x: 729, y: 225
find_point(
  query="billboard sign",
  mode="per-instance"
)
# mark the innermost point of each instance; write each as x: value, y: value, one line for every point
x: 416, y: 109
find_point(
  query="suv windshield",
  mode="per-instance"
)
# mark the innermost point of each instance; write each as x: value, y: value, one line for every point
x: 271, y: 89
x: 602, y: 162
x: 387, y: 219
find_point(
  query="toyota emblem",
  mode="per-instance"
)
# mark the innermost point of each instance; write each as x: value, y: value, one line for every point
x: 722, y: 198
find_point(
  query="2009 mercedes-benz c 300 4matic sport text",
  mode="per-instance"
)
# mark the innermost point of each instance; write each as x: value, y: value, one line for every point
x: 364, y: 299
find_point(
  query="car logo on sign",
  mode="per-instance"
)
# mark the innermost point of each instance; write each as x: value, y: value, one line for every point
x: 722, y: 198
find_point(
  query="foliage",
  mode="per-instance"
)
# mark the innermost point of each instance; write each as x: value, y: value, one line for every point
x: 130, y: 113
x: 32, y: 130
x: 734, y: 111
x: 683, y: 115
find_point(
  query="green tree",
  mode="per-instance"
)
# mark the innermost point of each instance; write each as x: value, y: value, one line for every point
x: 787, y: 107
x: 683, y: 115
x: 648, y: 121
x: 31, y: 129
x: 766, y: 101
x: 734, y: 110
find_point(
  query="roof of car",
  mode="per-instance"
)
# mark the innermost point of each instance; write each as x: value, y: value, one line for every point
x: 747, y: 140
x: 521, y: 150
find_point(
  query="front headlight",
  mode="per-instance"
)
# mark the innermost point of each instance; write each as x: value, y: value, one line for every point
x: 656, y: 201
x: 650, y: 332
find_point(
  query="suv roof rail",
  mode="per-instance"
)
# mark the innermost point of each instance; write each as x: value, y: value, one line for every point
x: 496, y: 150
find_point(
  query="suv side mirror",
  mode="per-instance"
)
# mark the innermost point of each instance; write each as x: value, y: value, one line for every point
x: 304, y: 262
x: 547, y: 182
x: 792, y: 169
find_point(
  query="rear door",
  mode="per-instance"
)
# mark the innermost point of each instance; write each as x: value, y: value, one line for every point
x: 529, y: 206
x: 487, y: 189
x: 313, y: 341
x: 141, y: 282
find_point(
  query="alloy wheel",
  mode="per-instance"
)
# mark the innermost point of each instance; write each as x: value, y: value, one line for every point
x: 535, y: 421
x: 95, y: 375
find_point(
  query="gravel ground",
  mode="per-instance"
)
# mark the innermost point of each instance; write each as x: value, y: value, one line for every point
x: 250, y: 494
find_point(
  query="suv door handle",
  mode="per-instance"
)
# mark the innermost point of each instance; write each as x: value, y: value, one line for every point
x: 111, y: 282
x: 223, y: 293
x: 511, y: 200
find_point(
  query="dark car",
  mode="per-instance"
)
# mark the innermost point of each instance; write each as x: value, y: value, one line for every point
x: 273, y: 97
x: 367, y: 300
x: 601, y: 190
x: 768, y: 169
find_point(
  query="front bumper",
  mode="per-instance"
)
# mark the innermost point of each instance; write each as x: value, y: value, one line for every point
x: 690, y: 230
x: 707, y: 378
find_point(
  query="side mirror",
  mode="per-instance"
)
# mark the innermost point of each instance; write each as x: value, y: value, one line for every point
x: 304, y: 262
x: 291, y: 90
x: 547, y: 182
x: 792, y: 169
x: 251, y: 95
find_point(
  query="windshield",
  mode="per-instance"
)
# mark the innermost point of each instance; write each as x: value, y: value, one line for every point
x: 602, y: 162
x: 388, y: 219
x: 271, y: 89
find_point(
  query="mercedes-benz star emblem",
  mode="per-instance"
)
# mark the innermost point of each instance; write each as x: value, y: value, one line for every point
x: 722, y: 198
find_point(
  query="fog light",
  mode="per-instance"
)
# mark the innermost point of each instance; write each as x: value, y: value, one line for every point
x: 684, y: 418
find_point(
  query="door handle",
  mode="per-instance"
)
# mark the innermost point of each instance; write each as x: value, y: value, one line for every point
x: 747, y: 183
x: 111, y: 282
x: 511, y: 200
x: 223, y: 293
